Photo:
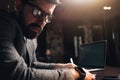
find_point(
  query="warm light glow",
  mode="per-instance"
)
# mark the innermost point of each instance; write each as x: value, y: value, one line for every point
x: 82, y: 1
x: 107, y: 7
x: 86, y: 0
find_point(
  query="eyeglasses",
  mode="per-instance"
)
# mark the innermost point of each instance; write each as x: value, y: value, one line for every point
x: 39, y: 13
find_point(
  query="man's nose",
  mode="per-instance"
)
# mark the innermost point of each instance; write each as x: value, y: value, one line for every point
x: 42, y: 20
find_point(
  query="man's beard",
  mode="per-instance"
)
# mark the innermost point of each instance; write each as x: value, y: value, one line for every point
x: 30, y: 31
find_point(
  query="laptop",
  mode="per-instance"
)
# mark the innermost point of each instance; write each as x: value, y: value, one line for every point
x: 92, y: 56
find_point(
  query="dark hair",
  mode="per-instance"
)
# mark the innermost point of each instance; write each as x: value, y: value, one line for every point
x: 54, y: 1
x: 50, y: 1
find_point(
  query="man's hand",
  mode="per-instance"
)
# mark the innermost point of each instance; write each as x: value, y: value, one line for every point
x: 89, y: 76
x: 76, y: 75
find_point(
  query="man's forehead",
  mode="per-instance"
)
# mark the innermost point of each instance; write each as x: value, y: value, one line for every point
x: 38, y: 2
x: 48, y: 1
x: 44, y: 5
x: 35, y: 1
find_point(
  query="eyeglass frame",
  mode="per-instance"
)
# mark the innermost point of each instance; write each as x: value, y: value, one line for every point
x: 48, y: 17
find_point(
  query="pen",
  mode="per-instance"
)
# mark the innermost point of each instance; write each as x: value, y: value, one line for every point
x: 71, y: 60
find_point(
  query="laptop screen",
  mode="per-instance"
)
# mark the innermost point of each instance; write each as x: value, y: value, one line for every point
x: 92, y: 55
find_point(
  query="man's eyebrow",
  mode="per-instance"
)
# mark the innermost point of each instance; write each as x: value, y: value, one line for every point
x: 43, y: 10
x: 38, y: 8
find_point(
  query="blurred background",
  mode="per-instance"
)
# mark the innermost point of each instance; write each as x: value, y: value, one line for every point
x: 77, y: 22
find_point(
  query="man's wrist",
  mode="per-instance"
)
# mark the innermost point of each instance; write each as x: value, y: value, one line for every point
x: 82, y: 76
x: 81, y: 72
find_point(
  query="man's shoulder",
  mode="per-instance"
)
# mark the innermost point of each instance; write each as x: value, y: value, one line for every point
x: 5, y: 16
x: 7, y: 19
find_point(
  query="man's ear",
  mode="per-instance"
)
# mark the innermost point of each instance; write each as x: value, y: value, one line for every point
x: 18, y: 6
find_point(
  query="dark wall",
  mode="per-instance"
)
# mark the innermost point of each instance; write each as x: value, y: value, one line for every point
x: 113, y: 37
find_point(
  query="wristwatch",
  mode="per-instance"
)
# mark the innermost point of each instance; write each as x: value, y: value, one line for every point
x: 81, y: 72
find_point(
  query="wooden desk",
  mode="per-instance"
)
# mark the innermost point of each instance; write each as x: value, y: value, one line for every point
x: 109, y: 71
